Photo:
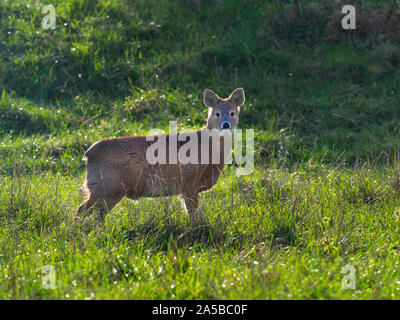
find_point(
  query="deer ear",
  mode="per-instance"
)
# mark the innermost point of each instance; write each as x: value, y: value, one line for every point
x: 237, y: 97
x: 210, y: 98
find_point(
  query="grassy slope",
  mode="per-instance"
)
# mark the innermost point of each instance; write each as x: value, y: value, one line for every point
x: 321, y: 101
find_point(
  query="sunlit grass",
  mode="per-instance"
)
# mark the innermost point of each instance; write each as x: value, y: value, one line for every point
x: 279, y: 234
x: 324, y: 105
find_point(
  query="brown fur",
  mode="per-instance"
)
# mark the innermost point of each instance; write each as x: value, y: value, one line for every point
x: 118, y: 167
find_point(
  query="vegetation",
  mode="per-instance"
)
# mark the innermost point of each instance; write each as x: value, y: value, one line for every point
x: 324, y: 103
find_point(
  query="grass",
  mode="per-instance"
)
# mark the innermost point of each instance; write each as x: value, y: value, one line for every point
x: 324, y: 104
x: 277, y: 235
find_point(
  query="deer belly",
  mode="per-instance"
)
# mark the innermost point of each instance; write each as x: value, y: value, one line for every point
x: 156, y: 186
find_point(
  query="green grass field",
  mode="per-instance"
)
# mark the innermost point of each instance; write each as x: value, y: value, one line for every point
x: 325, y: 107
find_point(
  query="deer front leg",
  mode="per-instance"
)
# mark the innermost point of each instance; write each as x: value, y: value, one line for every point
x: 191, y: 203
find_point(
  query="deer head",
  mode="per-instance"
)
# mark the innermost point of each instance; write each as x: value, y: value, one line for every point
x: 223, y: 113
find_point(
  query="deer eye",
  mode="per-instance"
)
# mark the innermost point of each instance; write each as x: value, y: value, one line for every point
x: 217, y: 114
x: 232, y: 114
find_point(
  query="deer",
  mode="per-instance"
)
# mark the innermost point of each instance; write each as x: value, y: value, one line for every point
x: 118, y: 167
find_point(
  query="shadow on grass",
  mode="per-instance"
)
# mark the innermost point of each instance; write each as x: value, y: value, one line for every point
x: 163, y: 226
x: 283, y: 236
x: 167, y: 232
x: 163, y: 233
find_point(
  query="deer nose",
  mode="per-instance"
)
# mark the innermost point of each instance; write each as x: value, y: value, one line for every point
x: 226, y: 125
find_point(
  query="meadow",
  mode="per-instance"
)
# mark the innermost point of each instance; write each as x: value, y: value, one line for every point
x: 318, y: 219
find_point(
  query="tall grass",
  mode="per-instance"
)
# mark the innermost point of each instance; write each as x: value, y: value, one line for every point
x: 279, y: 234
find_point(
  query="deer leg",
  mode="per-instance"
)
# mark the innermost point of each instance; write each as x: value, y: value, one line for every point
x: 191, y: 203
x: 86, y: 208
x: 107, y: 205
x: 101, y: 206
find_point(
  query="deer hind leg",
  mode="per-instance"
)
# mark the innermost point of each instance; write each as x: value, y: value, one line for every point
x: 103, y: 194
x: 190, y: 203
x: 86, y: 208
x: 100, y: 205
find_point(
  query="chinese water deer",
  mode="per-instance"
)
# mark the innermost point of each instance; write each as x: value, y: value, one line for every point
x: 123, y: 166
